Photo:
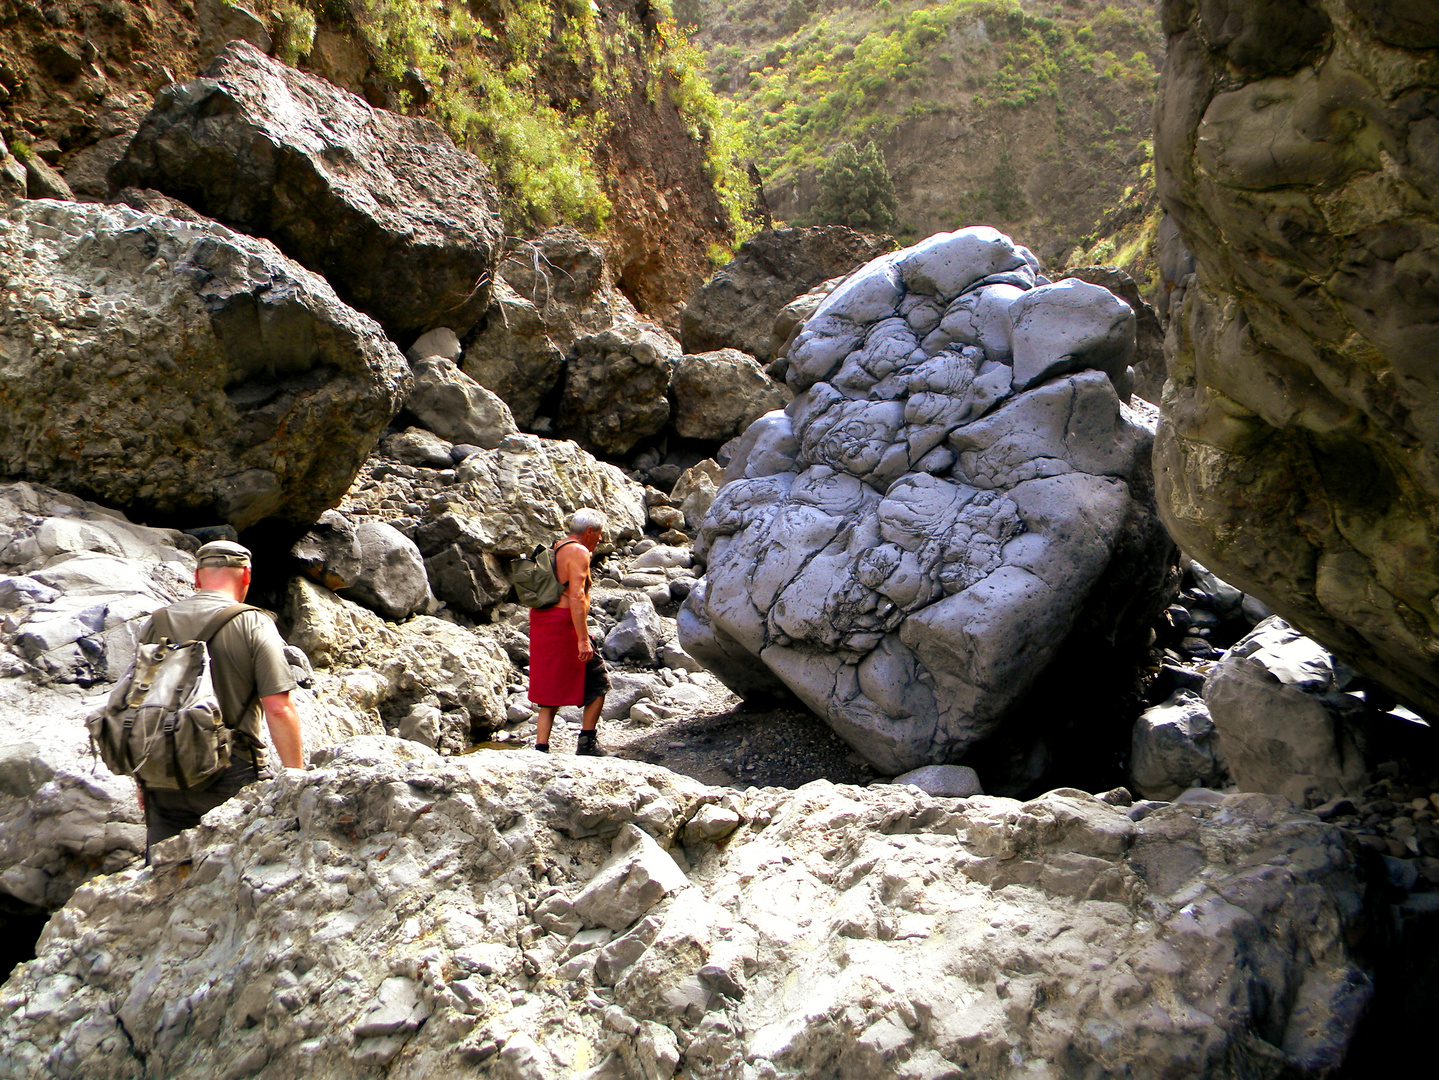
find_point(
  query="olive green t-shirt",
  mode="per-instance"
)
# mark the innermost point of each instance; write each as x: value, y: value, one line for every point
x: 247, y: 656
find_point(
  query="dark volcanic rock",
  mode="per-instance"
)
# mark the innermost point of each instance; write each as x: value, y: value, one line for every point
x: 736, y: 308
x: 401, y: 222
x: 151, y: 362
x: 1299, y: 455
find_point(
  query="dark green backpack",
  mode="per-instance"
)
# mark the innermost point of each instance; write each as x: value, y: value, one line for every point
x: 533, y: 576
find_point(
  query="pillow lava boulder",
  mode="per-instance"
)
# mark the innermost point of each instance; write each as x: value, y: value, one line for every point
x: 956, y: 489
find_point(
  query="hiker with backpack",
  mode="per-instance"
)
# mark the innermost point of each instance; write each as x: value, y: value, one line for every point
x: 184, y: 721
x: 565, y: 667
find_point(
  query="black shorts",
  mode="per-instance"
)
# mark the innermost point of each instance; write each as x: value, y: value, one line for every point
x: 597, y: 674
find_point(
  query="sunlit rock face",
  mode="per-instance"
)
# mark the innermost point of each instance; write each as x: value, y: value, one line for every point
x: 957, y: 486
x: 392, y: 913
x: 1295, y: 147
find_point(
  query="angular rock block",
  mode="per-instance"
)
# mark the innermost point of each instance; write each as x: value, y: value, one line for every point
x: 178, y: 366
x: 717, y: 395
x: 549, y: 291
x: 369, y: 562
x: 908, y: 544
x: 1301, y: 419
x: 736, y: 308
x: 1285, y: 725
x: 616, y: 387
x: 1174, y: 747
x: 455, y: 407
x: 401, y: 222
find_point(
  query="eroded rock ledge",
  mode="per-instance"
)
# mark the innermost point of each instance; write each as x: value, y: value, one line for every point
x: 1295, y: 148
x: 394, y: 913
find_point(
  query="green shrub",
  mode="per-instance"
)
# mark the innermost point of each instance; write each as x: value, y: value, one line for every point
x: 855, y: 189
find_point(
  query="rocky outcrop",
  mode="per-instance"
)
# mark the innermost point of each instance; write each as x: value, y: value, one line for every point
x: 502, y: 502
x: 953, y: 491
x: 548, y: 917
x: 403, y: 224
x: 1284, y: 723
x: 151, y: 362
x: 717, y: 395
x: 370, y: 672
x: 371, y: 562
x: 551, y: 290
x: 1294, y: 150
x: 736, y: 308
x: 78, y: 584
x: 616, y: 384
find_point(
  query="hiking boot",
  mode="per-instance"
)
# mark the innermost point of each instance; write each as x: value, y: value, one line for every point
x: 589, y: 745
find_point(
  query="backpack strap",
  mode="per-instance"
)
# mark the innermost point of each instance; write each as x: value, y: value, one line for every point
x: 219, y: 619
x: 212, y: 627
x: 554, y: 555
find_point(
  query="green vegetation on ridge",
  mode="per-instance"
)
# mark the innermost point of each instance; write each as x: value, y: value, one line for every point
x: 490, y: 73
x: 1027, y: 92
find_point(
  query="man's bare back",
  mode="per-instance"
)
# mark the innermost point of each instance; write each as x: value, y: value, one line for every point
x: 572, y: 567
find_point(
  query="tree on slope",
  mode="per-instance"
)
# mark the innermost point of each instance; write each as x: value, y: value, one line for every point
x: 855, y: 189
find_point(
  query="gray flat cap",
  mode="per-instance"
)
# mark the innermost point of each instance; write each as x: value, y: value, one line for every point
x: 223, y: 553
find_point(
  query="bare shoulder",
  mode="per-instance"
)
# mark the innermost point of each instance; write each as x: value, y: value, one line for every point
x: 572, y: 557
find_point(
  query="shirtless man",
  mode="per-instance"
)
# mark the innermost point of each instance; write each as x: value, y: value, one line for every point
x: 565, y: 669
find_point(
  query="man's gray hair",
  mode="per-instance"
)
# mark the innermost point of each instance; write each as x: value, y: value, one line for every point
x: 587, y: 518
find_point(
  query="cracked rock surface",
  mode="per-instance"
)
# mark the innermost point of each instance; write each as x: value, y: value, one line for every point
x: 1295, y: 148
x: 392, y: 913
x: 956, y: 487
x: 151, y: 362
x: 401, y: 221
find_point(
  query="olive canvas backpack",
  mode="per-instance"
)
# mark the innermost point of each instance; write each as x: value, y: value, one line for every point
x: 163, y: 724
x: 536, y: 583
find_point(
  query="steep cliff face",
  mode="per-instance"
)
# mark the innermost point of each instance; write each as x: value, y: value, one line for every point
x: 1031, y: 117
x: 73, y: 72
x: 591, y: 115
x: 1297, y: 146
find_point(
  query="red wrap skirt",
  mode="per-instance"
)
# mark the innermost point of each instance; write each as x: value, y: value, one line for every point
x: 557, y: 677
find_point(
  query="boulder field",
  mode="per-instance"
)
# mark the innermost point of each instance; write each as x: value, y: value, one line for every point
x: 1295, y: 150
x: 957, y: 486
x: 392, y: 913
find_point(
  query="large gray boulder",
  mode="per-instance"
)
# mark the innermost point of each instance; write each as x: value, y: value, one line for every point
x: 178, y: 366
x: 400, y: 221
x: 949, y: 496
x: 616, y: 384
x: 1285, y: 725
x: 368, y: 561
x: 736, y: 308
x: 1173, y: 747
x: 1302, y: 414
x: 718, y: 394
x: 515, y: 914
x: 523, y: 493
x: 455, y: 407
